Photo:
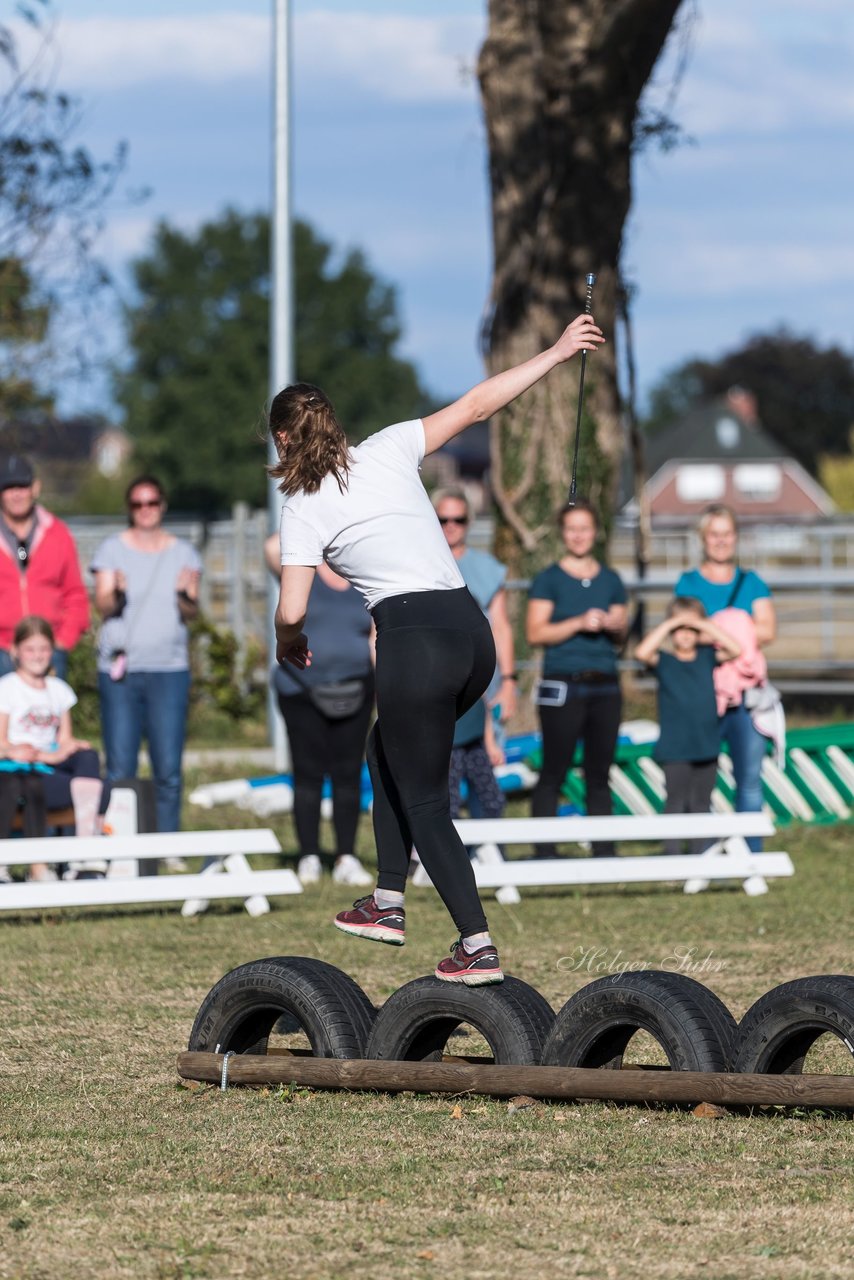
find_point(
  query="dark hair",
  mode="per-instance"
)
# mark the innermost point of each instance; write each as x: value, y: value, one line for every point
x: 581, y: 505
x: 316, y: 446
x: 31, y: 626
x: 145, y: 479
x: 686, y: 604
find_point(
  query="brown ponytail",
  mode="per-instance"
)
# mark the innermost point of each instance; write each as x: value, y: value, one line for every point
x: 309, y: 439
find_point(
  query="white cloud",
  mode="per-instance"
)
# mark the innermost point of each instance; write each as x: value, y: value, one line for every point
x: 766, y: 67
x: 395, y: 57
x: 725, y: 268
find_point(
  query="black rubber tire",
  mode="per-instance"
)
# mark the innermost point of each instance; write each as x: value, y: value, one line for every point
x: 718, y: 1014
x: 596, y: 1024
x: 414, y: 1024
x: 295, y: 992
x: 777, y: 1032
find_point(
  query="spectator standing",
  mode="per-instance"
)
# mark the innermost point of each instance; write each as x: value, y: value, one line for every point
x: 484, y: 576
x: 721, y: 584
x: 146, y: 590
x: 577, y: 612
x: 39, y: 569
x: 689, y: 737
x: 327, y: 711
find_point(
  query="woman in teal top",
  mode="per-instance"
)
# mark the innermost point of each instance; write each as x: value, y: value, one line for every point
x: 720, y: 583
x: 577, y: 612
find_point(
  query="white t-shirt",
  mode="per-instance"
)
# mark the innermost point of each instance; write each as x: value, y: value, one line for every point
x: 381, y: 533
x: 34, y: 714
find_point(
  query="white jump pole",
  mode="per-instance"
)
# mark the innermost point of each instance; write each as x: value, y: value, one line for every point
x: 281, y: 303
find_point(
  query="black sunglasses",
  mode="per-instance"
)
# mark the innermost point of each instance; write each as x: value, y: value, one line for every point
x: 453, y: 519
x: 149, y: 502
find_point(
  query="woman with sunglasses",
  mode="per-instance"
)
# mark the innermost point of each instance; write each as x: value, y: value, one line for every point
x: 364, y: 511
x: 146, y: 590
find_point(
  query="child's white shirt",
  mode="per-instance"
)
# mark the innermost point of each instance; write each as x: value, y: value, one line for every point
x: 35, y: 714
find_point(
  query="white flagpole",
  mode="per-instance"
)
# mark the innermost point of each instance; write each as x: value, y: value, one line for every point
x: 281, y: 298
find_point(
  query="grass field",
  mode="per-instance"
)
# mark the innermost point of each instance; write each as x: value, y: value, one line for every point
x: 110, y: 1168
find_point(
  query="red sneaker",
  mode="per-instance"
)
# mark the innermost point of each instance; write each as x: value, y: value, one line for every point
x: 476, y: 969
x: 367, y: 920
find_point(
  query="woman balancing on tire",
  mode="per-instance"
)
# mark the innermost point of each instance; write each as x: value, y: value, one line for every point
x: 365, y: 512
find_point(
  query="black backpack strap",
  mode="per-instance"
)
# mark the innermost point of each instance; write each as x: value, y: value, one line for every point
x: 736, y: 587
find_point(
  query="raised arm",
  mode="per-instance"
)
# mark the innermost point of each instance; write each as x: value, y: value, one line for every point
x: 726, y: 646
x: 647, y: 651
x: 495, y: 393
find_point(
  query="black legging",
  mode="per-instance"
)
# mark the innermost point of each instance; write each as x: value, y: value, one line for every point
x: 80, y: 764
x: 435, y: 658
x: 591, y: 712
x: 322, y: 747
x: 26, y: 786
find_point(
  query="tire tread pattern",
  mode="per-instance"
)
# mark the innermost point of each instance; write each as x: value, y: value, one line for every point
x: 593, y: 1028
x: 240, y: 1011
x: 416, y: 1021
x: 776, y: 1033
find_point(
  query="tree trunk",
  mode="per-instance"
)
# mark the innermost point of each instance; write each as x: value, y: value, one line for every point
x: 560, y: 82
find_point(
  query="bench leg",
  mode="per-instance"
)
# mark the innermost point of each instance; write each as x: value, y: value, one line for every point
x: 257, y: 905
x: 488, y: 855
x: 195, y: 906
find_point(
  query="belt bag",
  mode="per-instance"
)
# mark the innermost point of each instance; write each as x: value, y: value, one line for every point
x: 553, y: 692
x: 339, y: 700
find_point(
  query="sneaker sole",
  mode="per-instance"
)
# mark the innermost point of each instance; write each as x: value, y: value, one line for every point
x: 373, y: 932
x: 472, y: 979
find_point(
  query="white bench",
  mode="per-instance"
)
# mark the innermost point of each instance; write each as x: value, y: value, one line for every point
x: 728, y: 857
x: 228, y: 848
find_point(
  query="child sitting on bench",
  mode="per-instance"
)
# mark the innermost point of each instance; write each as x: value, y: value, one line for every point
x: 55, y: 769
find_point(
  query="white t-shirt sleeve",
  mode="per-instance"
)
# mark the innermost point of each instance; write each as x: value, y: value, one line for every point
x: 7, y: 694
x: 106, y: 556
x: 190, y: 558
x: 300, y: 542
x: 62, y: 695
x: 405, y: 438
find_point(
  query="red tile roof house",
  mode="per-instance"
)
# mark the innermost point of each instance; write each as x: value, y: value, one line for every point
x: 719, y: 452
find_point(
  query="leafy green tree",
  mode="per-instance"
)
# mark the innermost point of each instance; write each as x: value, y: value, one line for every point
x: 23, y: 326
x: 195, y: 388
x: 805, y: 393
x: 52, y: 195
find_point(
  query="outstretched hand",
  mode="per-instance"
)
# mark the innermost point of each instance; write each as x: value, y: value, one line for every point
x: 582, y: 335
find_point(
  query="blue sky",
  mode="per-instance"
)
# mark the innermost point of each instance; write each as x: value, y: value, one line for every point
x: 746, y: 229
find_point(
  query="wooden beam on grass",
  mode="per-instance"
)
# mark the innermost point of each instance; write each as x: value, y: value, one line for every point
x: 569, y: 1083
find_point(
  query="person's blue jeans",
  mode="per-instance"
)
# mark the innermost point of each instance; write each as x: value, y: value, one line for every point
x: 151, y: 705
x: 60, y: 663
x: 747, y: 748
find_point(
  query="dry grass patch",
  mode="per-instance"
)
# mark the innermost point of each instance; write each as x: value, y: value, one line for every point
x: 110, y: 1169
